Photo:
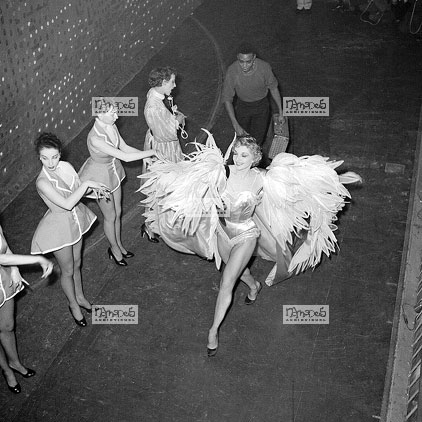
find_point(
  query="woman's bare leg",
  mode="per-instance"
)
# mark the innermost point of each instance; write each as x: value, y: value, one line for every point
x: 117, y: 194
x: 65, y: 259
x: 246, y: 276
x: 8, y: 348
x: 77, y: 276
x: 108, y: 208
x: 235, y: 266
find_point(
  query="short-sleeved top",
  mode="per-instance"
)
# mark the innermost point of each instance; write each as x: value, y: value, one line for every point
x: 248, y: 87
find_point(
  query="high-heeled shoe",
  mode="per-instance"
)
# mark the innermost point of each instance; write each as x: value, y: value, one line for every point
x: 144, y: 232
x: 128, y: 254
x: 122, y: 262
x: 88, y: 310
x: 15, y: 389
x: 252, y: 301
x: 29, y: 372
x: 212, y: 351
x: 81, y: 322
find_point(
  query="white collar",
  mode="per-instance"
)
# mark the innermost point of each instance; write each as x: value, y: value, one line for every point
x: 103, y: 125
x: 157, y: 94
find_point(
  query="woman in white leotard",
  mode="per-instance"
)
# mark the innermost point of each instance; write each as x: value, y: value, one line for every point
x: 284, y: 214
x: 237, y: 233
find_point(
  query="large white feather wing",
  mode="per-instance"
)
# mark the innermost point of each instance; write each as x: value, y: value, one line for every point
x: 304, y: 194
x: 191, y: 189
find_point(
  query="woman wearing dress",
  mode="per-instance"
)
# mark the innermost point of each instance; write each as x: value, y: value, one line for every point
x: 62, y: 228
x: 106, y: 148
x: 10, y: 285
x: 162, y: 123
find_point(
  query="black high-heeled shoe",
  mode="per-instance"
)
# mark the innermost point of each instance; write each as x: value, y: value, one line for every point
x: 122, y: 262
x: 252, y: 301
x: 29, y: 372
x: 81, y: 322
x: 144, y: 232
x: 88, y: 310
x: 128, y: 254
x: 212, y: 352
x: 15, y: 389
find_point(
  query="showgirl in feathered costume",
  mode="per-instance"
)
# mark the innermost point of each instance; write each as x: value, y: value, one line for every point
x: 284, y: 214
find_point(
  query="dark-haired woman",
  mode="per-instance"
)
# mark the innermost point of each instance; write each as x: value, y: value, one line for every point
x: 62, y: 228
x: 106, y: 148
x: 163, y: 124
x: 10, y: 285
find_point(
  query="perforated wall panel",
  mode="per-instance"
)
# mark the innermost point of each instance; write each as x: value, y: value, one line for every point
x: 55, y: 55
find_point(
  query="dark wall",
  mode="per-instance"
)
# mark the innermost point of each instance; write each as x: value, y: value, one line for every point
x: 57, y: 54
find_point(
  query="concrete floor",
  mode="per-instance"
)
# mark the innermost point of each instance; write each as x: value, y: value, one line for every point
x: 265, y: 371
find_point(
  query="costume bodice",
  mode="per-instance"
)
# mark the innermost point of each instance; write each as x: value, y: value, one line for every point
x: 108, y: 134
x: 240, y: 206
x: 236, y: 221
x: 59, y: 184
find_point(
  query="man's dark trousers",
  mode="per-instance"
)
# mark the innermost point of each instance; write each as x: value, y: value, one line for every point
x: 254, y: 117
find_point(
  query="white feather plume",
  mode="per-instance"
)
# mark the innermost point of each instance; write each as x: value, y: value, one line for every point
x: 191, y: 188
x: 305, y: 193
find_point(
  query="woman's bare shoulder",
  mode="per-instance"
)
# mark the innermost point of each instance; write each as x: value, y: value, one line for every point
x: 67, y: 166
x: 259, y: 170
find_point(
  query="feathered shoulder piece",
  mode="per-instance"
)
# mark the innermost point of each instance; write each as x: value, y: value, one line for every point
x: 304, y: 195
x: 191, y: 188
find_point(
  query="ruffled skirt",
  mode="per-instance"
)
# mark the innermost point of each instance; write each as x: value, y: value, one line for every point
x: 7, y: 291
x: 57, y: 230
x: 110, y: 173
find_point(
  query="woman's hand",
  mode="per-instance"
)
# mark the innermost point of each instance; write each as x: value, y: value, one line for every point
x: 240, y: 131
x: 180, y: 117
x: 152, y: 158
x: 15, y: 279
x: 47, y: 267
x: 100, y: 190
x: 281, y: 119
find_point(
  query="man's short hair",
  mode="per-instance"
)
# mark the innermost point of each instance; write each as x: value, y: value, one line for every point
x: 160, y: 74
x: 246, y: 48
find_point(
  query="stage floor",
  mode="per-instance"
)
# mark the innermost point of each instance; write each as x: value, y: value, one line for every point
x: 265, y: 371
